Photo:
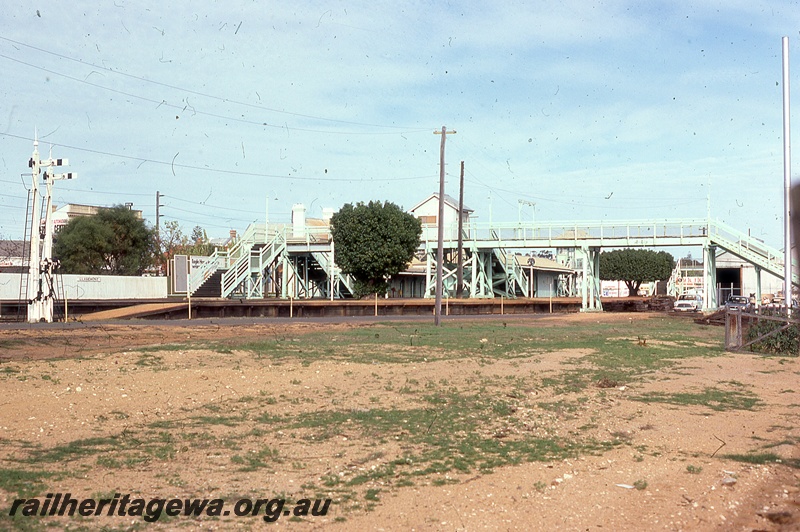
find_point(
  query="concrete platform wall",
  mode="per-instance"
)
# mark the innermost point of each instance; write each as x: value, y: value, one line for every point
x: 94, y: 287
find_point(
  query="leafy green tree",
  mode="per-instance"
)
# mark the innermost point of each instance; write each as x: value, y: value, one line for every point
x: 112, y: 242
x: 373, y: 242
x: 635, y: 266
x: 198, y: 243
x: 172, y: 241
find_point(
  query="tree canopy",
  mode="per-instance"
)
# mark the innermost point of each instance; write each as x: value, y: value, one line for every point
x: 173, y: 241
x: 112, y: 242
x: 372, y: 242
x: 635, y: 266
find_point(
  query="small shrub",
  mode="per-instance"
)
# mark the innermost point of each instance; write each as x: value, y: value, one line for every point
x: 785, y: 342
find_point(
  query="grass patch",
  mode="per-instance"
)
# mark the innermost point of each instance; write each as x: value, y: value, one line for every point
x: 228, y: 421
x: 25, y: 484
x: 456, y: 433
x: 74, y: 450
x: 754, y: 458
x: 713, y: 398
x: 168, y: 347
x: 150, y: 361
x: 257, y: 460
x: 439, y: 430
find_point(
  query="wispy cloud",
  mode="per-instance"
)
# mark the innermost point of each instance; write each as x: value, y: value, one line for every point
x: 565, y: 101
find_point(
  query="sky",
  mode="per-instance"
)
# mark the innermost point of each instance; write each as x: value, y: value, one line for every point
x: 591, y: 110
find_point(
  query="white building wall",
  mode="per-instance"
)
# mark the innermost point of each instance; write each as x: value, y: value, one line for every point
x: 769, y: 283
x: 546, y: 284
x: 430, y: 231
x: 94, y: 287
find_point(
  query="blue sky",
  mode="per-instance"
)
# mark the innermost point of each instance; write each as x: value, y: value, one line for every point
x: 592, y: 110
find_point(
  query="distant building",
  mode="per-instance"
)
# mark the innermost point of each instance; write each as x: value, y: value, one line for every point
x: 224, y: 242
x: 11, y: 253
x: 62, y: 215
x: 740, y: 278
x: 427, y: 211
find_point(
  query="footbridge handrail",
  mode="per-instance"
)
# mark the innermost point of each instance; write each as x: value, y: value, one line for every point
x: 203, y: 269
x: 242, y: 268
x: 751, y: 249
x: 744, y: 243
x: 592, y: 233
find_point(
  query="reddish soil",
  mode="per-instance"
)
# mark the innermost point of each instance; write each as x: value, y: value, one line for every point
x: 66, y: 385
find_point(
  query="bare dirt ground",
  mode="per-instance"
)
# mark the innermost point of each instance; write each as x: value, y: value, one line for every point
x: 151, y: 411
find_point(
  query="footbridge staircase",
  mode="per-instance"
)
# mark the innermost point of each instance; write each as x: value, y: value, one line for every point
x: 274, y: 261
x: 282, y: 261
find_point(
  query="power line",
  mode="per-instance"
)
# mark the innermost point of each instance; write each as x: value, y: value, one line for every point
x: 195, y: 222
x: 195, y: 111
x: 226, y: 172
x: 659, y: 202
x: 198, y: 93
x: 174, y: 198
x: 201, y: 214
x: 15, y: 197
x: 106, y: 193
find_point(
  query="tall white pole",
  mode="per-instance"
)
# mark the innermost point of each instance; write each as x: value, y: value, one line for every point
x: 34, y: 268
x: 333, y: 270
x: 189, y: 285
x: 42, y: 266
x: 787, y: 181
x: 46, y: 259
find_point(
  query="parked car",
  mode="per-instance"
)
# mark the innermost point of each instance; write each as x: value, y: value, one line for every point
x: 738, y: 303
x: 688, y: 303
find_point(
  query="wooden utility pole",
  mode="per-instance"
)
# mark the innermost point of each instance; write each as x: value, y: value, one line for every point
x: 437, y: 312
x: 158, y: 211
x: 159, y: 195
x: 460, y: 271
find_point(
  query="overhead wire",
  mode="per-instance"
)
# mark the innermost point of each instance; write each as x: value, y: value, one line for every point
x: 175, y: 198
x: 578, y: 199
x: 203, y: 224
x: 203, y: 214
x: 172, y: 164
x: 194, y: 110
x: 223, y: 171
x: 207, y: 95
x: 157, y: 102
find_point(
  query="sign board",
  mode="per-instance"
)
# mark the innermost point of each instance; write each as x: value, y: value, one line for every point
x: 180, y: 277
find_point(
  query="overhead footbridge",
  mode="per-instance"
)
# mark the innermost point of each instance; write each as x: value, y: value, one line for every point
x: 291, y: 262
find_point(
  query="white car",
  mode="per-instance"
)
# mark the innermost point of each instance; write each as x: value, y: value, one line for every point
x: 688, y: 303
